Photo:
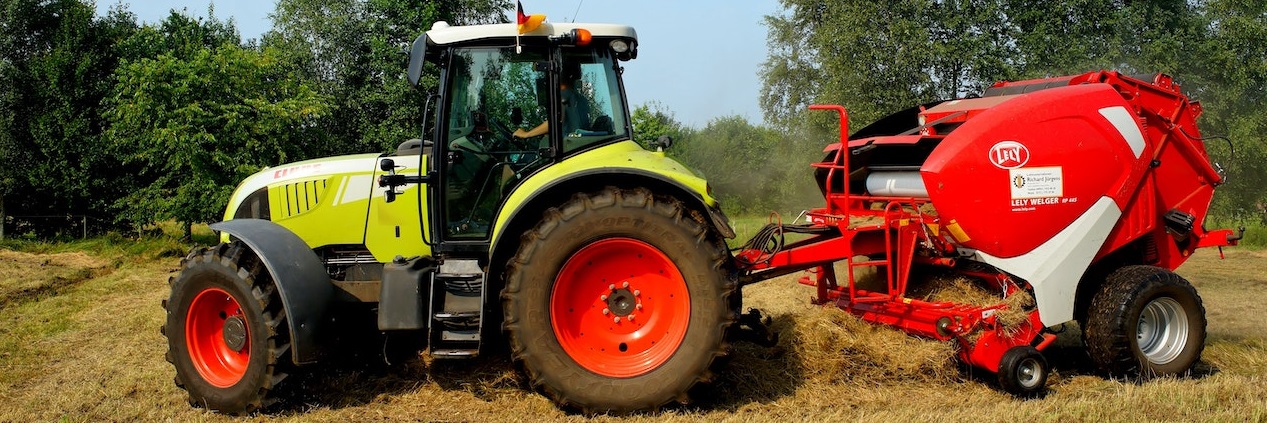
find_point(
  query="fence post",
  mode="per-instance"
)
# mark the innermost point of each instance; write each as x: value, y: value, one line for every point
x: 85, y: 227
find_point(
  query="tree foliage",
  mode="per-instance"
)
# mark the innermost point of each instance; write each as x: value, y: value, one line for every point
x: 191, y: 129
x: 652, y: 121
x: 56, y: 61
x: 352, y: 50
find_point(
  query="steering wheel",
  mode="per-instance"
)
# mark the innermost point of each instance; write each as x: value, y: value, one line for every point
x: 504, y: 136
x: 513, y: 142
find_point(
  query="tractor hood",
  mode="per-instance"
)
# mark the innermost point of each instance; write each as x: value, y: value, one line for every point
x: 307, y: 170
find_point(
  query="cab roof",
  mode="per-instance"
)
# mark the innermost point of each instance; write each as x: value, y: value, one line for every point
x: 441, y: 33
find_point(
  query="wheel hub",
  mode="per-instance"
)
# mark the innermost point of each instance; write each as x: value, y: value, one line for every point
x: 1030, y: 373
x: 235, y: 333
x: 622, y: 302
x: 1162, y: 331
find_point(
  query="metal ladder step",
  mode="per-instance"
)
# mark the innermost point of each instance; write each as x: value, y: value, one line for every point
x: 457, y: 315
x: 457, y: 309
x: 451, y: 353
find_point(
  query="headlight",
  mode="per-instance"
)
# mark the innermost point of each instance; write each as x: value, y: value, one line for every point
x: 619, y: 46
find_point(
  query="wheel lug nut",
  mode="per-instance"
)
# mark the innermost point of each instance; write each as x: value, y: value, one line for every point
x: 603, y: 297
x: 606, y: 311
x: 639, y: 307
x: 615, y: 320
x: 631, y: 317
x: 625, y: 285
x: 611, y: 287
x: 637, y: 293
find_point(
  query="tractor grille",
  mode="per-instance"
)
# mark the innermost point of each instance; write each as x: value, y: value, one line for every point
x: 300, y: 197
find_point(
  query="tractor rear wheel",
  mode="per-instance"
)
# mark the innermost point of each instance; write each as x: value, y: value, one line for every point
x: 1145, y: 322
x: 226, y: 330
x: 619, y: 301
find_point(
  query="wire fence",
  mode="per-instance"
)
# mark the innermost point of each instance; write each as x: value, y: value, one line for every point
x: 51, y: 226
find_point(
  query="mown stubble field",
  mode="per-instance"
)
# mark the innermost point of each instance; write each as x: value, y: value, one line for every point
x: 79, y: 341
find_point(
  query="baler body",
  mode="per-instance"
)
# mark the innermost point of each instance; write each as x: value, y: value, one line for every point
x: 1043, y: 186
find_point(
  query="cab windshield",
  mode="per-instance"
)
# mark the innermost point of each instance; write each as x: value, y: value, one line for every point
x: 592, y: 102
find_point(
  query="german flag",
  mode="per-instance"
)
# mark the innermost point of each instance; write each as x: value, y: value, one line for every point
x: 528, y: 23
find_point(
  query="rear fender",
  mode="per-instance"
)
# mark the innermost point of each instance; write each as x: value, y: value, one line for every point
x: 527, y: 212
x: 300, y: 277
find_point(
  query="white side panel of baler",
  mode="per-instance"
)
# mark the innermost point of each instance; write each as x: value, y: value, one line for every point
x: 1125, y: 123
x: 1055, y: 267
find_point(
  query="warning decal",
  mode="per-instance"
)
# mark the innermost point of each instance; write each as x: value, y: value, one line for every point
x: 1037, y: 182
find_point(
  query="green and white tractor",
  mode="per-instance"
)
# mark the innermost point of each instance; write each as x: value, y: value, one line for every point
x: 601, y: 264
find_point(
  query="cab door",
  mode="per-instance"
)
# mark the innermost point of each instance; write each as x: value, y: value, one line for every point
x: 490, y: 92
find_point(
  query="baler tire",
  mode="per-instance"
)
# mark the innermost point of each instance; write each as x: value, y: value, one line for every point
x: 1023, y: 371
x: 1130, y: 305
x: 572, y: 255
x: 215, y: 285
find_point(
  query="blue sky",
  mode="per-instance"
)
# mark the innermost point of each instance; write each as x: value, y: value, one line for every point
x: 699, y: 58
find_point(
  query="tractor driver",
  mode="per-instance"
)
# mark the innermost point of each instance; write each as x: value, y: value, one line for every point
x: 576, y: 107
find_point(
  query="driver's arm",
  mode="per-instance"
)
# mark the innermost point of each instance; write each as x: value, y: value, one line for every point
x: 534, y: 132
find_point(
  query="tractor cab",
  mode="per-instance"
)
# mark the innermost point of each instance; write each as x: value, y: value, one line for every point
x: 510, y: 104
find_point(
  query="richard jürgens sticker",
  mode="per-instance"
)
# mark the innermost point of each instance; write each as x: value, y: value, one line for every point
x: 1037, y: 182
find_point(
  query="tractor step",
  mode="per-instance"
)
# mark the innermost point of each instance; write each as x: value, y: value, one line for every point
x: 457, y: 309
x: 454, y: 353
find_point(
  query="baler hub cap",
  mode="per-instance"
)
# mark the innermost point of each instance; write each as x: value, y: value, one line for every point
x: 1030, y: 373
x: 1162, y: 331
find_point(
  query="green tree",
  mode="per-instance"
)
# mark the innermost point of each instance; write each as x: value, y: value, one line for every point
x: 752, y: 169
x: 1235, y: 70
x: 193, y: 128
x: 352, y: 52
x: 652, y: 121
x: 56, y: 61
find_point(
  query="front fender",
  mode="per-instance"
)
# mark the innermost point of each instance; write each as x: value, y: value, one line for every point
x: 297, y: 272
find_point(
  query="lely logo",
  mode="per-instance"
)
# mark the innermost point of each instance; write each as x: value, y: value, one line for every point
x: 1009, y: 155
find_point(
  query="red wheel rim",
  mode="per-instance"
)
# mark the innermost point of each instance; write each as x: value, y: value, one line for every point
x: 620, y: 307
x: 219, y: 363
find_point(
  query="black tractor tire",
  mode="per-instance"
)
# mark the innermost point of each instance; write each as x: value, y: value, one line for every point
x: 591, y: 246
x: 1023, y: 372
x: 226, y: 330
x: 1145, y: 322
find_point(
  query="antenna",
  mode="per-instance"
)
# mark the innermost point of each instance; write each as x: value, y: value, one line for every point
x: 578, y: 10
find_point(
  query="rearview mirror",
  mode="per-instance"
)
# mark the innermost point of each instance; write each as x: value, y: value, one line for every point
x: 417, y: 57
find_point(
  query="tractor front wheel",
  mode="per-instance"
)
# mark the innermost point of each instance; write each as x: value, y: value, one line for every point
x: 619, y: 301
x: 1145, y: 321
x: 226, y: 330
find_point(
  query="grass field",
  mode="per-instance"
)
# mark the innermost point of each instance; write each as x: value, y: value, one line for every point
x: 79, y: 341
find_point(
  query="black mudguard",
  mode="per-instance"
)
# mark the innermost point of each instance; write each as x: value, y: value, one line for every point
x: 300, y: 277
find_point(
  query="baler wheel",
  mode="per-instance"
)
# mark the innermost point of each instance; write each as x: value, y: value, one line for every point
x: 1023, y: 371
x: 619, y: 301
x: 226, y: 330
x: 1145, y: 322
